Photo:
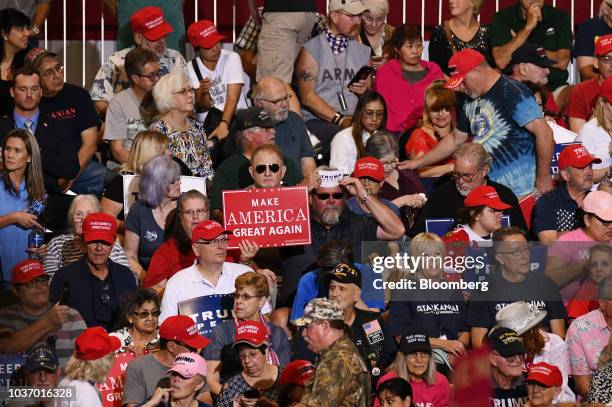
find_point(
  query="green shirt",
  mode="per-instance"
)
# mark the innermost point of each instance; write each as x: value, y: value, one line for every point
x: 233, y: 173
x: 553, y: 33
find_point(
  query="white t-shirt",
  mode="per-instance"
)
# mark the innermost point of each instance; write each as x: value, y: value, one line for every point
x: 228, y: 71
x: 86, y: 394
x: 597, y: 141
x: 189, y: 283
x: 343, y: 150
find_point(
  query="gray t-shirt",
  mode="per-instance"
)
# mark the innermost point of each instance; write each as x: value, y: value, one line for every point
x: 141, y: 378
x: 141, y: 221
x: 27, y: 7
x: 335, y: 72
x: 123, y: 120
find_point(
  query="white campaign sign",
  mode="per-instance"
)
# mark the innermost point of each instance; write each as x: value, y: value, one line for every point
x: 131, y: 188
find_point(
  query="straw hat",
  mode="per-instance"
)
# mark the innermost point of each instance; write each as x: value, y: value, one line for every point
x: 519, y: 316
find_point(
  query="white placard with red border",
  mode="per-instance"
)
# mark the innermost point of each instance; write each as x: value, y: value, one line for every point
x: 270, y: 217
x: 131, y: 188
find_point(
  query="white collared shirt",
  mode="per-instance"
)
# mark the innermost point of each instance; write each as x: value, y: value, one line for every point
x: 189, y: 283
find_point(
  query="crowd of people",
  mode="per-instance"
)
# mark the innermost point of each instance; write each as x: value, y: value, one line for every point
x: 482, y: 151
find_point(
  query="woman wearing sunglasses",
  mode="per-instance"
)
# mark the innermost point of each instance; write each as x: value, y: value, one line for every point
x: 138, y: 333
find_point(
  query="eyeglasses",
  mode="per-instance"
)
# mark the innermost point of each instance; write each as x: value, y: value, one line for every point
x: 105, y: 297
x: 217, y: 242
x: 260, y: 169
x: 518, y: 252
x: 354, y: 17
x: 391, y: 163
x: 150, y: 76
x: 191, y: 212
x: 324, y: 196
x: 373, y: 114
x: 605, y: 223
x: 147, y: 314
x: 466, y: 177
x: 372, y: 20
x: 57, y: 69
x: 276, y: 102
x: 38, y: 282
x: 605, y: 59
x: 244, y: 297
x: 185, y: 92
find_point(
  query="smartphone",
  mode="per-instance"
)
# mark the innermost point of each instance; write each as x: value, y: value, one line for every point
x: 251, y: 394
x: 363, y: 73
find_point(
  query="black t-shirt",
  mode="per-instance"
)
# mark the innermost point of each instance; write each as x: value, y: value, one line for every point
x: 436, y: 313
x: 74, y: 106
x: 289, y: 5
x: 537, y: 289
x: 515, y: 397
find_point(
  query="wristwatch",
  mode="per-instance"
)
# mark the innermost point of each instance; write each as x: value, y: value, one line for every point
x: 36, y: 30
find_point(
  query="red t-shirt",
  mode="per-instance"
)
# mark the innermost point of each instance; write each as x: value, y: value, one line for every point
x: 421, y: 142
x: 166, y: 262
x: 582, y: 99
x: 584, y: 301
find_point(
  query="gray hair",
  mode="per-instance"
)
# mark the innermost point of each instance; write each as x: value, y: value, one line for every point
x: 164, y: 89
x: 92, y: 199
x: 381, y: 144
x: 259, y: 91
x: 473, y: 152
x: 155, y: 179
x: 605, y: 288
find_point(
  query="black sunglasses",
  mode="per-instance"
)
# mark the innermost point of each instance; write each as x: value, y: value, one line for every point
x: 605, y: 223
x: 324, y: 196
x: 260, y: 169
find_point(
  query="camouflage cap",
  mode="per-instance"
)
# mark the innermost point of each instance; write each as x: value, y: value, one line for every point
x: 320, y: 309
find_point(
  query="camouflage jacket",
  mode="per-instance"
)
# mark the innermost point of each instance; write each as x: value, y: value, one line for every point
x: 341, y: 378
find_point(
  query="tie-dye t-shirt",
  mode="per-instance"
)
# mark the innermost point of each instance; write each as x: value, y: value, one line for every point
x: 496, y: 120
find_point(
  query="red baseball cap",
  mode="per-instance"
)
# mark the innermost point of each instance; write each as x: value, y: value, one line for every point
x: 150, y: 22
x: 369, y: 167
x: 296, y: 372
x: 203, y: 34
x: 545, y: 374
x: 95, y: 343
x: 251, y: 332
x: 26, y: 271
x: 605, y: 90
x: 181, y: 328
x: 487, y: 196
x: 207, y: 230
x: 99, y: 226
x: 577, y: 156
x: 603, y: 45
x: 461, y: 64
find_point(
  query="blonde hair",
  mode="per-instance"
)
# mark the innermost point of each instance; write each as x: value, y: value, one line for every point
x: 252, y: 279
x: 423, y: 241
x: 600, y: 116
x: 94, y: 371
x: 147, y: 144
x: 478, y: 5
x: 399, y: 366
x: 164, y: 89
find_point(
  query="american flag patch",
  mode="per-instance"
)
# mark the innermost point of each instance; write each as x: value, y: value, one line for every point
x: 371, y: 327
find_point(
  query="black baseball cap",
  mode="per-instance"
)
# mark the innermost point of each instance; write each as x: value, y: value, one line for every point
x: 530, y: 53
x: 505, y: 341
x: 253, y: 117
x: 414, y: 342
x: 41, y: 356
x: 346, y: 273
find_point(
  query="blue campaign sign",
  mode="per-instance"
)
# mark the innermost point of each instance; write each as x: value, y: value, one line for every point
x: 554, y: 166
x: 9, y: 364
x: 208, y: 311
x: 441, y: 226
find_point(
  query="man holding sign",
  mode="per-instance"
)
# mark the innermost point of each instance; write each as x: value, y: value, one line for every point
x: 210, y: 275
x: 331, y: 220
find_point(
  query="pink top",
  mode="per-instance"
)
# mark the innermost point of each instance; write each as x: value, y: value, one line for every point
x: 423, y: 395
x: 586, y: 338
x: 404, y: 100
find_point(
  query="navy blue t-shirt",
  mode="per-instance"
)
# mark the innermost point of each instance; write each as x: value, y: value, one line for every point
x: 435, y: 313
x: 536, y: 289
x: 556, y: 210
x: 584, y: 45
x: 292, y: 138
x: 497, y: 120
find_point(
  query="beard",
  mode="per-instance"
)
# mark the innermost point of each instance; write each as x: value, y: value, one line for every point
x: 281, y: 114
x: 330, y: 216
